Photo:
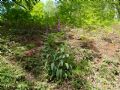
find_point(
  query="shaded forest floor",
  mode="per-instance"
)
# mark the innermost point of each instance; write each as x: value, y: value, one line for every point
x: 101, y: 72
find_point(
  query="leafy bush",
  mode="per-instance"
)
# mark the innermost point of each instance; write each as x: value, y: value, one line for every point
x: 59, y: 60
x: 4, y: 49
x: 14, y: 78
x: 19, y: 19
x: 33, y: 64
x: 86, y: 13
x: 11, y: 76
x: 38, y: 14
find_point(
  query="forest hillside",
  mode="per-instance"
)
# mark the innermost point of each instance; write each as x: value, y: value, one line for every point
x: 59, y: 45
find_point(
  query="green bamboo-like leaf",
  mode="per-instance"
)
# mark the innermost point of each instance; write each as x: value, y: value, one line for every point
x: 62, y: 49
x: 61, y: 63
x: 61, y: 72
x: 70, y: 66
x: 52, y: 66
x: 67, y: 55
x: 63, y: 56
x: 67, y: 66
x: 57, y: 74
x: 66, y: 76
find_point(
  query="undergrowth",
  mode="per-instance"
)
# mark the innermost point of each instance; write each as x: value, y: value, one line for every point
x: 82, y: 71
x: 59, y: 60
x: 14, y: 67
x: 12, y: 77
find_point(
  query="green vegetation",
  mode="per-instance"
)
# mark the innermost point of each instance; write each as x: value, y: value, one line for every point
x: 59, y: 45
x: 11, y: 77
x: 59, y: 60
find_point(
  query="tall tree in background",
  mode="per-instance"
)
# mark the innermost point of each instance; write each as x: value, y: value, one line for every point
x: 117, y: 7
x: 25, y: 4
x: 50, y: 14
x: 86, y: 12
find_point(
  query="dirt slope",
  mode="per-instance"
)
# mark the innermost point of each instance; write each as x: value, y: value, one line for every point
x: 106, y: 48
